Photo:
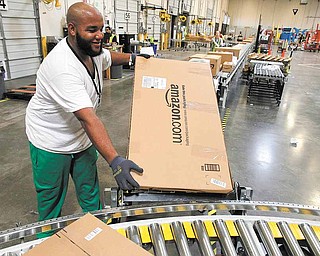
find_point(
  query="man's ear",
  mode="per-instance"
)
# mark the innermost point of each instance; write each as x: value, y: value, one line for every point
x: 71, y: 29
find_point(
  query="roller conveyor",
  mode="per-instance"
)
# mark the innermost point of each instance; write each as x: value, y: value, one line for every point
x: 290, y: 233
x: 266, y: 83
x: 267, y: 71
x: 113, y: 197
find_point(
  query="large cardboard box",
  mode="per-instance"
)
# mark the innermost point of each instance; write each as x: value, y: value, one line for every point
x: 227, y: 67
x: 225, y: 56
x: 215, y: 61
x: 234, y: 50
x: 176, y: 133
x: 87, y: 236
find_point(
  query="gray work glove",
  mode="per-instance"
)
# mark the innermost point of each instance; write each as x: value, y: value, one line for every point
x: 133, y: 57
x: 121, y: 171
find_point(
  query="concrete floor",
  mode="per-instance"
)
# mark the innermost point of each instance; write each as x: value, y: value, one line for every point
x: 257, y: 140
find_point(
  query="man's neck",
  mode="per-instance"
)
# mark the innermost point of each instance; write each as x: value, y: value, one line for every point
x: 84, y: 57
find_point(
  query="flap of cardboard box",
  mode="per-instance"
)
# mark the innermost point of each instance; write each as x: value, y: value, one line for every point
x: 87, y: 236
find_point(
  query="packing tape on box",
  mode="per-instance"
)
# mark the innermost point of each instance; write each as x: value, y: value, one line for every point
x: 199, y: 70
x: 210, y: 108
x: 208, y: 152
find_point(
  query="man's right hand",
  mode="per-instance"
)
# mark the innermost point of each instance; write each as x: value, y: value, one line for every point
x: 134, y: 56
x: 121, y: 171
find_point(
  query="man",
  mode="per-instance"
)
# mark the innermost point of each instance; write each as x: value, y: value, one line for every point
x: 217, y: 41
x: 61, y: 124
x: 107, y: 35
x: 113, y: 37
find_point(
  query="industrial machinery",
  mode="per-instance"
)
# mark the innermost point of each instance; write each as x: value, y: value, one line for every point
x: 265, y: 42
x: 191, y: 229
x: 312, y: 42
x: 287, y: 35
x: 266, y: 81
x: 225, y: 78
x: 113, y: 197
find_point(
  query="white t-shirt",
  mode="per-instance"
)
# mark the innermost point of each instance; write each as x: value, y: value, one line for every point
x: 63, y: 86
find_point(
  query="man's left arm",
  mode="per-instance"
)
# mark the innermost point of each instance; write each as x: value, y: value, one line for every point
x: 119, y: 58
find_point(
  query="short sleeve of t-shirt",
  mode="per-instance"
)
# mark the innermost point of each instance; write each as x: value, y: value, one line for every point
x: 106, y: 61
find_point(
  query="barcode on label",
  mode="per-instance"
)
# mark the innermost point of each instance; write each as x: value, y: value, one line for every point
x: 218, y: 183
x: 93, y: 233
x: 153, y: 82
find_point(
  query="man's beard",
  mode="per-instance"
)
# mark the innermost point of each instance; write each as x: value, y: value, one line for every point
x: 85, y: 46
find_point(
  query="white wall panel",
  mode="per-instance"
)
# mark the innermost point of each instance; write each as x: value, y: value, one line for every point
x: 19, y: 28
x: 25, y: 67
x: 20, y: 46
x: 153, y: 24
x: 274, y: 12
x: 126, y: 16
x: 2, y: 57
x: 203, y: 5
x: 186, y: 6
x: 52, y: 19
x: 154, y: 2
x: 195, y: 7
x: 173, y: 7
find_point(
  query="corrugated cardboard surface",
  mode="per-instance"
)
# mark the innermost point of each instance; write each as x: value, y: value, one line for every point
x: 87, y: 236
x: 176, y: 133
x: 215, y: 61
x: 227, y: 67
x: 234, y: 50
x: 225, y: 56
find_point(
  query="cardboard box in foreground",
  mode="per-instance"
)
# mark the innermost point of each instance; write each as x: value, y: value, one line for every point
x: 176, y: 133
x: 87, y: 236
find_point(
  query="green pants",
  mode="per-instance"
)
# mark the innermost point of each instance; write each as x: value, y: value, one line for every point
x: 51, y: 176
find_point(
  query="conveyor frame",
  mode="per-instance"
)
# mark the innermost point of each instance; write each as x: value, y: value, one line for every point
x: 225, y: 78
x: 265, y: 83
x: 256, y: 234
x: 113, y: 197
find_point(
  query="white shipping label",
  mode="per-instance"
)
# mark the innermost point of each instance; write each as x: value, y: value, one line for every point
x: 92, y: 234
x: 218, y: 183
x: 154, y: 82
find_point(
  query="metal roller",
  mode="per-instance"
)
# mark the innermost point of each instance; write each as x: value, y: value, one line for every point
x: 266, y: 236
x: 249, y: 244
x: 203, y: 238
x: 224, y: 238
x: 134, y: 235
x: 291, y: 241
x: 158, y: 241
x: 311, y: 238
x: 254, y: 231
x: 180, y: 239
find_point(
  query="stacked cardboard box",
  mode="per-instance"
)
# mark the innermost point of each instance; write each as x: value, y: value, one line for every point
x: 215, y: 61
x: 235, y: 50
x: 225, y: 56
x: 176, y: 133
x: 227, y: 67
